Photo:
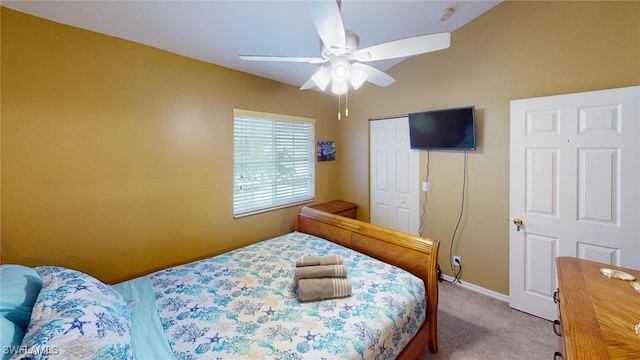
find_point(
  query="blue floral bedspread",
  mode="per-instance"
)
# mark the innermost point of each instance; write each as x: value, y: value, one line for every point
x: 243, y: 305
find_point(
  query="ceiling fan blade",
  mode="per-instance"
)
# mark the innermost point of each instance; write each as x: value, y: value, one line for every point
x: 320, y: 78
x: 328, y: 22
x: 405, y: 47
x: 374, y: 75
x: 311, y: 60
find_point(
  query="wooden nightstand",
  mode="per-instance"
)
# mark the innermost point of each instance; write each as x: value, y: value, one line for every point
x: 338, y: 207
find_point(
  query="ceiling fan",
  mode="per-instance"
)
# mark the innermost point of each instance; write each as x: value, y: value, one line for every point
x: 344, y: 62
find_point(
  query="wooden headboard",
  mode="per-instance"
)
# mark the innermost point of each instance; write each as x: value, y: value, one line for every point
x: 415, y: 254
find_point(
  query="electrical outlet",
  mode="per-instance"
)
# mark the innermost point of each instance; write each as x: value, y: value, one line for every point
x: 425, y: 186
x: 456, y: 261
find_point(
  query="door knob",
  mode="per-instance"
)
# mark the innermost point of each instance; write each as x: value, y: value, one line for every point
x: 518, y: 222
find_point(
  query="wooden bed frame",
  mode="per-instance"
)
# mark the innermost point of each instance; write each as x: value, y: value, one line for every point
x: 415, y: 254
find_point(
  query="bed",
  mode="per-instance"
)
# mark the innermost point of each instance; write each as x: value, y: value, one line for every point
x: 237, y: 305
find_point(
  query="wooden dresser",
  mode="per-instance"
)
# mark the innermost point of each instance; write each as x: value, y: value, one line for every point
x: 338, y: 207
x: 597, y: 314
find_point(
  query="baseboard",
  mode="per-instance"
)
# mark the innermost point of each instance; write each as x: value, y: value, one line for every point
x: 478, y: 289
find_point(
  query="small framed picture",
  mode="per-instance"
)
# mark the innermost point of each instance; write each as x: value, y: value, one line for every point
x: 326, y: 150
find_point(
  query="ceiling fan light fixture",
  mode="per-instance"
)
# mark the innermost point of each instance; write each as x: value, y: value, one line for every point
x: 339, y: 88
x: 358, y: 77
x: 340, y: 69
x: 321, y: 78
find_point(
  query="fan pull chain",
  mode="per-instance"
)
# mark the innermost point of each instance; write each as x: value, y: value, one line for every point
x: 346, y: 104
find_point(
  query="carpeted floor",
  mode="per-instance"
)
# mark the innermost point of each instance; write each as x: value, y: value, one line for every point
x: 472, y: 326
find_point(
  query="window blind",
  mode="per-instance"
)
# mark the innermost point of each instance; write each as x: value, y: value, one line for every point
x: 274, y: 164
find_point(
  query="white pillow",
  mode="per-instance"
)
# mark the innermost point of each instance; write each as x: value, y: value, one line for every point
x: 76, y: 317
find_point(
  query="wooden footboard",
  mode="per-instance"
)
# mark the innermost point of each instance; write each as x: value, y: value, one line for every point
x: 415, y: 254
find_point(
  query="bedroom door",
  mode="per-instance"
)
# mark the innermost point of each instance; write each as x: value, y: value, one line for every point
x: 574, y: 188
x: 394, y: 197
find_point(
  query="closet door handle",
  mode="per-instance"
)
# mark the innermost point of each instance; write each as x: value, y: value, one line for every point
x: 557, y: 327
x: 557, y: 355
x: 556, y: 296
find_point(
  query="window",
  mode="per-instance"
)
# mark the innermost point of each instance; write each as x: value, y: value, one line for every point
x: 273, y: 157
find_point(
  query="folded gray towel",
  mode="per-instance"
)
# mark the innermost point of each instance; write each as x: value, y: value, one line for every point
x: 323, y: 288
x: 319, y: 260
x: 320, y: 271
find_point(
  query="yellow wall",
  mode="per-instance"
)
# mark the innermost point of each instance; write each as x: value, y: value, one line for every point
x: 117, y: 158
x: 516, y: 50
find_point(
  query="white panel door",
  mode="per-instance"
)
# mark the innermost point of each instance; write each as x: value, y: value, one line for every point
x: 575, y: 175
x: 394, y: 175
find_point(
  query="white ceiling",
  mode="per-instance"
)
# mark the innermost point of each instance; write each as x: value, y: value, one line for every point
x: 219, y: 31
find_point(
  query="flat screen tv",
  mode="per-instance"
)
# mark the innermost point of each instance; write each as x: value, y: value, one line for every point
x: 445, y: 129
